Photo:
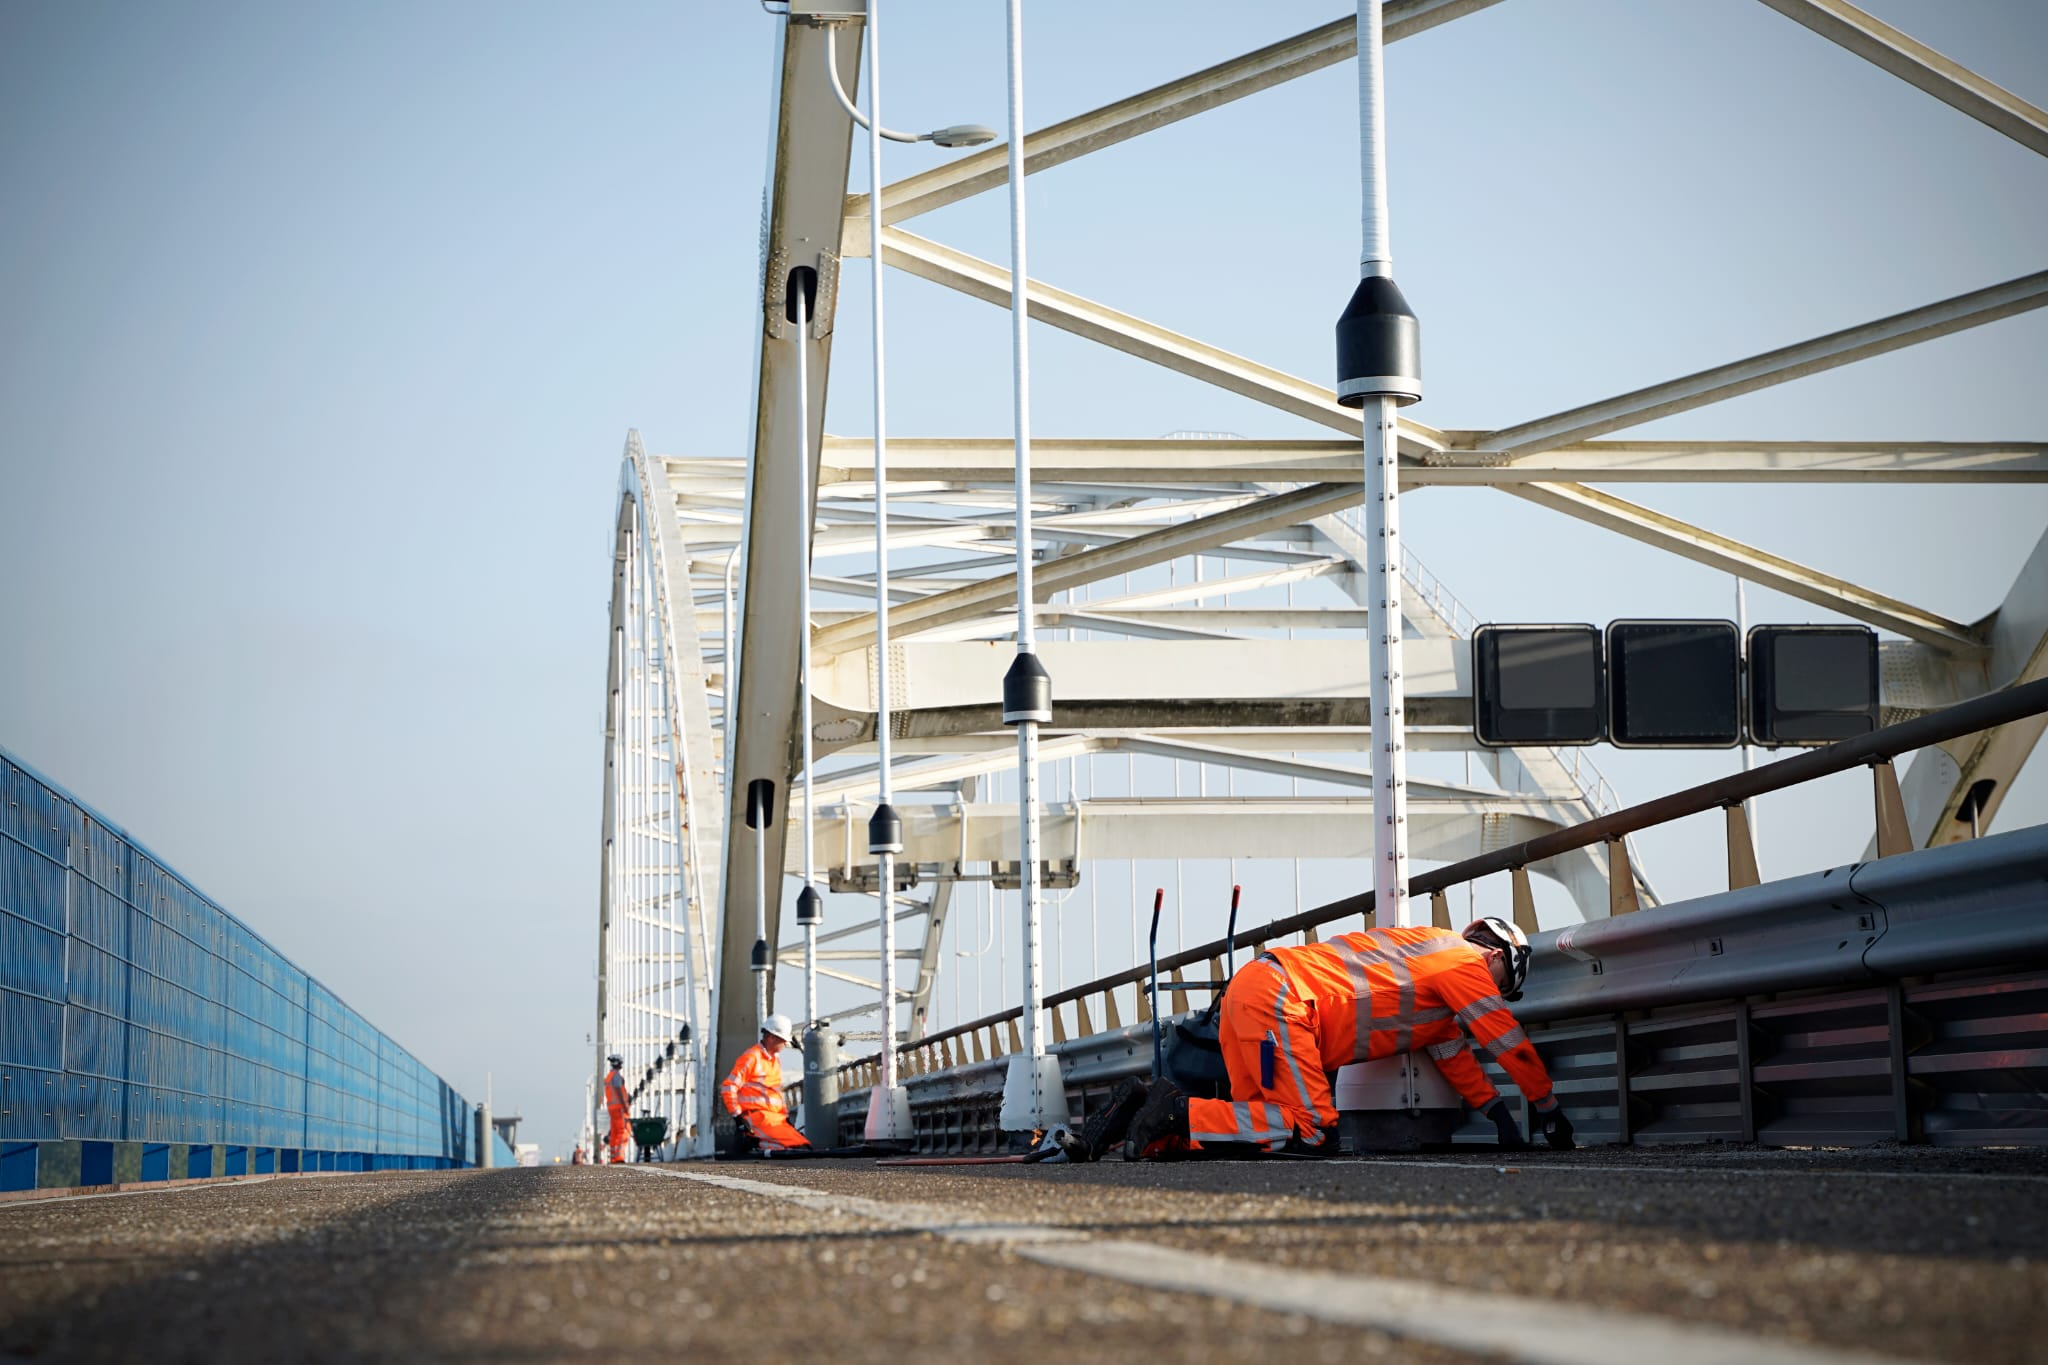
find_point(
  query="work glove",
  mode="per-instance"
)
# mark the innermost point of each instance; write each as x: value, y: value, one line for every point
x: 1556, y: 1128
x: 1505, y: 1125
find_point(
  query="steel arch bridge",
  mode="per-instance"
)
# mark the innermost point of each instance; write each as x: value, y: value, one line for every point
x: 1199, y: 593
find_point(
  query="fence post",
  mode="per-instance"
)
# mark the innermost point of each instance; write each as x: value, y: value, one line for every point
x: 1525, y: 901
x: 1741, y: 849
x: 1621, y: 881
x: 1894, y: 835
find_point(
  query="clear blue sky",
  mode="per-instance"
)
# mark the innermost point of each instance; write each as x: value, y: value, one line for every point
x: 323, y: 328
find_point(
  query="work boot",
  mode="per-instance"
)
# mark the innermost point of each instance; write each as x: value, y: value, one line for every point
x: 1160, y: 1125
x: 1325, y: 1145
x: 1106, y: 1127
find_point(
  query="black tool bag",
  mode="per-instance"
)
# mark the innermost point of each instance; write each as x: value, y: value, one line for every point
x: 1194, y: 1054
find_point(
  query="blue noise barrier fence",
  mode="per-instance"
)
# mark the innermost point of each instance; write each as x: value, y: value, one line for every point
x: 133, y: 1010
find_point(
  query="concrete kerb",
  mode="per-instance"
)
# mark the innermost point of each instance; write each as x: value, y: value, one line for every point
x: 126, y: 1187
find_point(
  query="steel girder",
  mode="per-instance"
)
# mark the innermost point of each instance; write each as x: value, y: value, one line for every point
x: 1917, y: 64
x: 1756, y: 566
x: 990, y: 283
x: 1134, y: 336
x: 939, y: 839
x: 1940, y: 779
x: 1323, y: 46
x: 810, y: 151
x: 986, y: 461
x: 1797, y: 361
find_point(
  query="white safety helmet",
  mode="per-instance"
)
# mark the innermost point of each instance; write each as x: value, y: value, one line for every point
x: 779, y: 1025
x: 1495, y: 932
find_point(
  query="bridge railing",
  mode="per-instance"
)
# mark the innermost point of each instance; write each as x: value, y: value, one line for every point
x: 996, y: 1035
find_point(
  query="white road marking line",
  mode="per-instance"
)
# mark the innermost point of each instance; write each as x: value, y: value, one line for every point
x: 1511, y: 1326
x: 1526, y: 1167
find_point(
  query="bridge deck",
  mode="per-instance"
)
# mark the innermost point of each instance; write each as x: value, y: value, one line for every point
x: 1582, y: 1257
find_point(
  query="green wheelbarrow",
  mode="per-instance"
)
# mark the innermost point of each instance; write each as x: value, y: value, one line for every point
x: 648, y: 1134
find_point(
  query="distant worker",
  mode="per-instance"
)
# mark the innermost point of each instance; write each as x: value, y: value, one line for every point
x: 752, y: 1093
x: 619, y: 1106
x: 1293, y: 1016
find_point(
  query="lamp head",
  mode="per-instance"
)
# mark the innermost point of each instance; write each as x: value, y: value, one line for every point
x: 962, y: 135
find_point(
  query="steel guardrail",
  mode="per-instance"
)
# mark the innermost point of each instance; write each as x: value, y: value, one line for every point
x: 1880, y: 746
x: 1945, y: 947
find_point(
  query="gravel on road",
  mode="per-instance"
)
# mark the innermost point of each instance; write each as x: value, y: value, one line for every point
x: 1902, y: 1252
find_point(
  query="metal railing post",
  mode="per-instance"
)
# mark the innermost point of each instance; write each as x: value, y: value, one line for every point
x: 1742, y: 869
x: 1894, y: 834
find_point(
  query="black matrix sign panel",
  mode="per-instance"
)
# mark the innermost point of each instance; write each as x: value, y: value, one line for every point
x: 1537, y: 685
x: 1812, y: 684
x: 1674, y: 684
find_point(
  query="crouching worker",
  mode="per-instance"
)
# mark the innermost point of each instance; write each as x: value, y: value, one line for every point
x: 1293, y: 1016
x: 752, y: 1093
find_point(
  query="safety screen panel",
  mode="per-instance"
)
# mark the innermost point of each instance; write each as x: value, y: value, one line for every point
x: 133, y: 1009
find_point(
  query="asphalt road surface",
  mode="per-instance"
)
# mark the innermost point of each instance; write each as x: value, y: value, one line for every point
x: 1655, y: 1255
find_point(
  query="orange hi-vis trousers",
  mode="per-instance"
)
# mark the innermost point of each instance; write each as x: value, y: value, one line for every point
x: 616, y: 1103
x: 773, y: 1128
x: 1278, y: 1090
x: 1295, y: 1015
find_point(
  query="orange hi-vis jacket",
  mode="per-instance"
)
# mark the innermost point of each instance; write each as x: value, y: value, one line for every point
x: 1384, y: 992
x: 1293, y: 1016
x: 752, y: 1093
x: 755, y: 1082
x: 617, y: 1105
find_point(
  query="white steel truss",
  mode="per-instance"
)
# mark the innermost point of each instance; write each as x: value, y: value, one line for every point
x: 653, y: 957
x: 1157, y: 562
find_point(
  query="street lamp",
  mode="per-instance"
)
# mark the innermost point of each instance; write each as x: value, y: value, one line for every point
x: 959, y: 135
x: 888, y: 1117
x: 1034, y: 1095
x: 1379, y: 369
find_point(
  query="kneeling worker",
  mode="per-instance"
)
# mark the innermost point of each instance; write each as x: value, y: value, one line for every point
x: 752, y: 1093
x: 1295, y: 1015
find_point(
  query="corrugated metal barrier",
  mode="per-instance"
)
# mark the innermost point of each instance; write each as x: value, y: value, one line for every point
x: 1903, y: 999
x: 144, y: 1027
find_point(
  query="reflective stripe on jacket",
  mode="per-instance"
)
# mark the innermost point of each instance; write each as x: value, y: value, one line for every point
x: 754, y: 1083
x: 1384, y: 992
x: 1249, y: 1121
x: 615, y: 1099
